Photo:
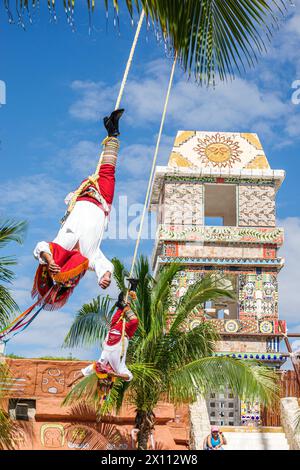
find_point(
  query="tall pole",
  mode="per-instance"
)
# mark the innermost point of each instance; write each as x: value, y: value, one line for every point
x: 296, y: 368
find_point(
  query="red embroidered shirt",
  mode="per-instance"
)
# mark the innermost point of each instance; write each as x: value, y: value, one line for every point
x: 116, y: 325
x: 106, y: 183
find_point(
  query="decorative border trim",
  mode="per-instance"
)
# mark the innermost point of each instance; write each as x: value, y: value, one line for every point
x: 267, y: 357
x: 221, y: 179
x: 222, y: 261
x: 220, y: 234
x: 251, y: 326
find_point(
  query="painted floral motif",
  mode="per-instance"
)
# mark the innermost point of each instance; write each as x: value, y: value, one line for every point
x: 221, y: 234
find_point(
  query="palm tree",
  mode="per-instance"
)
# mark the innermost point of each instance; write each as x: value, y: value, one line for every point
x: 10, y: 231
x: 211, y: 37
x: 6, y: 430
x: 169, y: 360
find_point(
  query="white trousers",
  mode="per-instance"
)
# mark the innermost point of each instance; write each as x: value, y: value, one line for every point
x: 112, y: 355
x: 86, y: 225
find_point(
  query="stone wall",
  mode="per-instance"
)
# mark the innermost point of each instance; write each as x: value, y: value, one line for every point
x: 289, y: 407
x: 254, y: 345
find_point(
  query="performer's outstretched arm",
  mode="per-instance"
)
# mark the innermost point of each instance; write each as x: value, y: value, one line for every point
x: 102, y: 267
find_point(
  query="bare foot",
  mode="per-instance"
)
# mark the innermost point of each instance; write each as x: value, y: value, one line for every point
x: 105, y: 280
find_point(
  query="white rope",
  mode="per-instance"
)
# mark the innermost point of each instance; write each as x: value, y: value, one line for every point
x: 153, y: 166
x: 135, y: 40
x: 148, y: 192
x: 93, y: 178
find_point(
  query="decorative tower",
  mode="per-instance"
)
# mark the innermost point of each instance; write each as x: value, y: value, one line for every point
x: 215, y: 204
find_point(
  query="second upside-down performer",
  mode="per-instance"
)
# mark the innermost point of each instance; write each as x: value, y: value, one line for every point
x: 123, y: 325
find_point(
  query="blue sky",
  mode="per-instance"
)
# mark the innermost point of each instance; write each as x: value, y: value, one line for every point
x: 59, y: 86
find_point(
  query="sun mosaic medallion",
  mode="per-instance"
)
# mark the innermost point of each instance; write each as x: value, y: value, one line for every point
x: 220, y: 150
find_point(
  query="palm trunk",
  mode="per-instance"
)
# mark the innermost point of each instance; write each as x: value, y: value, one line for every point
x: 144, y: 423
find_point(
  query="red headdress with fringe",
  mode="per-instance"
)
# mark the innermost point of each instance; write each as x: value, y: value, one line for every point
x: 73, y: 267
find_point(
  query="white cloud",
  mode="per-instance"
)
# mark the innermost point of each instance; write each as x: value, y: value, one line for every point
x: 33, y: 196
x: 81, y: 158
x: 233, y: 105
x: 94, y: 98
x: 289, y: 275
x: 260, y: 101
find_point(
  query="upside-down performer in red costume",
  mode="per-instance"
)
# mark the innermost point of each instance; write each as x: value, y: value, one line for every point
x: 76, y: 248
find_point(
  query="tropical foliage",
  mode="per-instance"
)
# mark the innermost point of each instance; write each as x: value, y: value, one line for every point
x: 10, y: 231
x: 211, y: 37
x: 6, y: 431
x: 169, y: 360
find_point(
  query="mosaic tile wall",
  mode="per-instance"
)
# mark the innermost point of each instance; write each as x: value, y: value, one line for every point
x: 258, y: 295
x: 183, y: 203
x: 257, y: 291
x: 256, y: 206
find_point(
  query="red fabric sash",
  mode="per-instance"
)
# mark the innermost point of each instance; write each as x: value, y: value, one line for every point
x: 73, y: 267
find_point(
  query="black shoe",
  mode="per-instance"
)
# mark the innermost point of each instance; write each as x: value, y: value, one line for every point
x: 111, y: 123
x: 121, y: 301
x: 133, y: 283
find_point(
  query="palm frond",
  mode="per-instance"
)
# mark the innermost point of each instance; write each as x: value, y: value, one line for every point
x: 212, y: 38
x: 7, y: 306
x: 11, y: 230
x: 183, y: 347
x: 145, y: 377
x: 248, y: 379
x: 91, y: 323
x: 6, y: 274
x: 86, y: 390
x: 207, y: 288
x: 161, y: 296
x: 120, y: 274
x: 215, y: 37
x: 142, y: 305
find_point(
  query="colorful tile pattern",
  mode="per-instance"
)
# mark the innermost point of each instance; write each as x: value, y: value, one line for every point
x: 258, y: 295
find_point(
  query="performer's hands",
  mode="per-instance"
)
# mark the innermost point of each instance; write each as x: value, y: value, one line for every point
x: 105, y: 280
x: 53, y: 268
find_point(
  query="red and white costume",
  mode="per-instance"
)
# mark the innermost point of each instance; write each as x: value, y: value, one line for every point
x: 86, y: 223
x: 113, y: 352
